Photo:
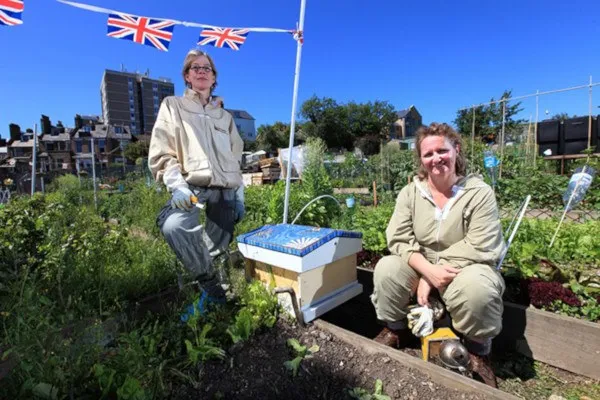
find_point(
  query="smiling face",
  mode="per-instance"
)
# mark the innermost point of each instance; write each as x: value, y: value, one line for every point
x: 438, y: 156
x: 200, y: 76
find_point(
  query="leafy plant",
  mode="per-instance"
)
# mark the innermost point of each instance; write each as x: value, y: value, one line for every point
x: 242, y: 328
x: 202, y: 348
x: 362, y: 394
x: 301, y: 353
x: 261, y: 304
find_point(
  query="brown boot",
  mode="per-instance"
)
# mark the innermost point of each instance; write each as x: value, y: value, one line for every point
x: 481, y: 367
x: 396, y: 338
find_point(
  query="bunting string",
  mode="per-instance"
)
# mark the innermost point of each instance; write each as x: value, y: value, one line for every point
x: 184, y: 23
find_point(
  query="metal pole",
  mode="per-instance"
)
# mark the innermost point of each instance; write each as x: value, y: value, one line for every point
x: 590, y: 117
x: 122, y: 156
x: 502, y: 139
x: 473, y: 139
x: 78, y: 168
x: 34, y: 158
x: 537, y: 113
x: 94, y: 173
x: 528, y: 148
x: 299, y: 41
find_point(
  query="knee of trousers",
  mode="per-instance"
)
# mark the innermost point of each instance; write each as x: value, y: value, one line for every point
x: 393, y: 282
x: 175, y: 225
x: 476, y: 310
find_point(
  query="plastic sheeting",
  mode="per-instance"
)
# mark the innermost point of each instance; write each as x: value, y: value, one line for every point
x: 298, y: 159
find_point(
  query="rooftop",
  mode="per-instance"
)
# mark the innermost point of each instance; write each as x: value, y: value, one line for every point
x: 239, y: 114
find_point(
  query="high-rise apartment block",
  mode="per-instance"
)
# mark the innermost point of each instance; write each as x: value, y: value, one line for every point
x: 133, y: 99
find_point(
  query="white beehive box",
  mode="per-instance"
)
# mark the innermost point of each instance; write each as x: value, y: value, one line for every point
x: 318, y: 263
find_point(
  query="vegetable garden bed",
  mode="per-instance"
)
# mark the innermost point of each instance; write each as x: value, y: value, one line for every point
x: 566, y: 343
x: 338, y: 368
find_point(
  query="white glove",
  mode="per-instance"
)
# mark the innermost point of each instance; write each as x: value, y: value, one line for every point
x: 182, y: 199
x: 420, y: 321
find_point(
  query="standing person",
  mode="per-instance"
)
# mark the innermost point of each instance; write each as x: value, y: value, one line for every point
x: 444, y: 235
x: 195, y: 150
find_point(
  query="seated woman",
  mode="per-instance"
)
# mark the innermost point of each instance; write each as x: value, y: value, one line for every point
x: 444, y: 235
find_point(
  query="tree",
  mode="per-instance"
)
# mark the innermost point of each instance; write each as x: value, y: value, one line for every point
x: 328, y: 121
x: 250, y: 145
x: 562, y: 116
x: 370, y: 124
x: 272, y: 137
x: 135, y: 150
x: 488, y: 119
x: 342, y: 125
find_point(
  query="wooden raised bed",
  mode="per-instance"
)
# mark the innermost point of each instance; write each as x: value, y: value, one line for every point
x: 564, y: 342
x: 436, y: 373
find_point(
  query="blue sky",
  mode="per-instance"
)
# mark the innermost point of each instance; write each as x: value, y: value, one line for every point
x: 437, y: 55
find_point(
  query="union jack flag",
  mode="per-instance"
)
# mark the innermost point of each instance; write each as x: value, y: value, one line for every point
x: 223, y: 37
x: 151, y: 32
x: 10, y: 12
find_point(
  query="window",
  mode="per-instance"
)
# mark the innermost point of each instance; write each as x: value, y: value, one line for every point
x: 102, y: 145
x: 87, y: 128
x: 118, y: 129
x: 78, y: 145
x: 132, y: 116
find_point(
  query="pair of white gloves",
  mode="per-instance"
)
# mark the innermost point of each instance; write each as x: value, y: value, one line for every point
x: 420, y: 319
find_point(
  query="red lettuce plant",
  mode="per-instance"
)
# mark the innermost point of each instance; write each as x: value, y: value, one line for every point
x: 543, y: 294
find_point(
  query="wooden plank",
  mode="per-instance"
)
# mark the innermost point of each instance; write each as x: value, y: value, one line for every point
x: 564, y: 342
x: 436, y: 373
x: 570, y: 156
x: 350, y: 190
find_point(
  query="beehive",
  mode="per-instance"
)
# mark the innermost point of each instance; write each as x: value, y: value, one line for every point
x: 318, y: 263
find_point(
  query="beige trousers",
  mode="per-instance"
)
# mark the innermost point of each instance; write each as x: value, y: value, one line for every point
x: 473, y: 298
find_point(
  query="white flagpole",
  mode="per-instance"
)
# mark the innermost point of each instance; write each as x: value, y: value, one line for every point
x: 299, y: 41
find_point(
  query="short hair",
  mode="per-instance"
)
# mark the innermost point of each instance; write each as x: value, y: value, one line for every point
x: 446, y: 131
x: 187, y: 64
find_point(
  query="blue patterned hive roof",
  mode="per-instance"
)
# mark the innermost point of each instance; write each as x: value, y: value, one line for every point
x: 297, y: 240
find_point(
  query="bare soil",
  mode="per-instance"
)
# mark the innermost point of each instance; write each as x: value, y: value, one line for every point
x: 257, y: 371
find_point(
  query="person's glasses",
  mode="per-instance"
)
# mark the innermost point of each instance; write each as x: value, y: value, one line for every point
x: 203, y: 68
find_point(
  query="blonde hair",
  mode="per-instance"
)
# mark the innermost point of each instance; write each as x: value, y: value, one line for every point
x: 189, y: 60
x: 446, y: 131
